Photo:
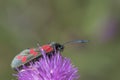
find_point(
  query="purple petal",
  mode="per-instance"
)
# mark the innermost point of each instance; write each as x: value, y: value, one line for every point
x: 55, y: 68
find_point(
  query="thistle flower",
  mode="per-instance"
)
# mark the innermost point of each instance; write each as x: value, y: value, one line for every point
x: 55, y: 67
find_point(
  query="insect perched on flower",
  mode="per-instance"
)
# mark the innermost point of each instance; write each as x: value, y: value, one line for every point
x: 33, y: 54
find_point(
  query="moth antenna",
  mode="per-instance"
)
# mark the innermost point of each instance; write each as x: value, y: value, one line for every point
x: 76, y: 41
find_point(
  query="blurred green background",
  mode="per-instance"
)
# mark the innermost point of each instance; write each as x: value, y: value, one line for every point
x: 25, y: 22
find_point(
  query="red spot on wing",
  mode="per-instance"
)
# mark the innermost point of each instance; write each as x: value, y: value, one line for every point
x: 19, y: 57
x: 24, y: 58
x: 33, y: 52
x: 47, y: 48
